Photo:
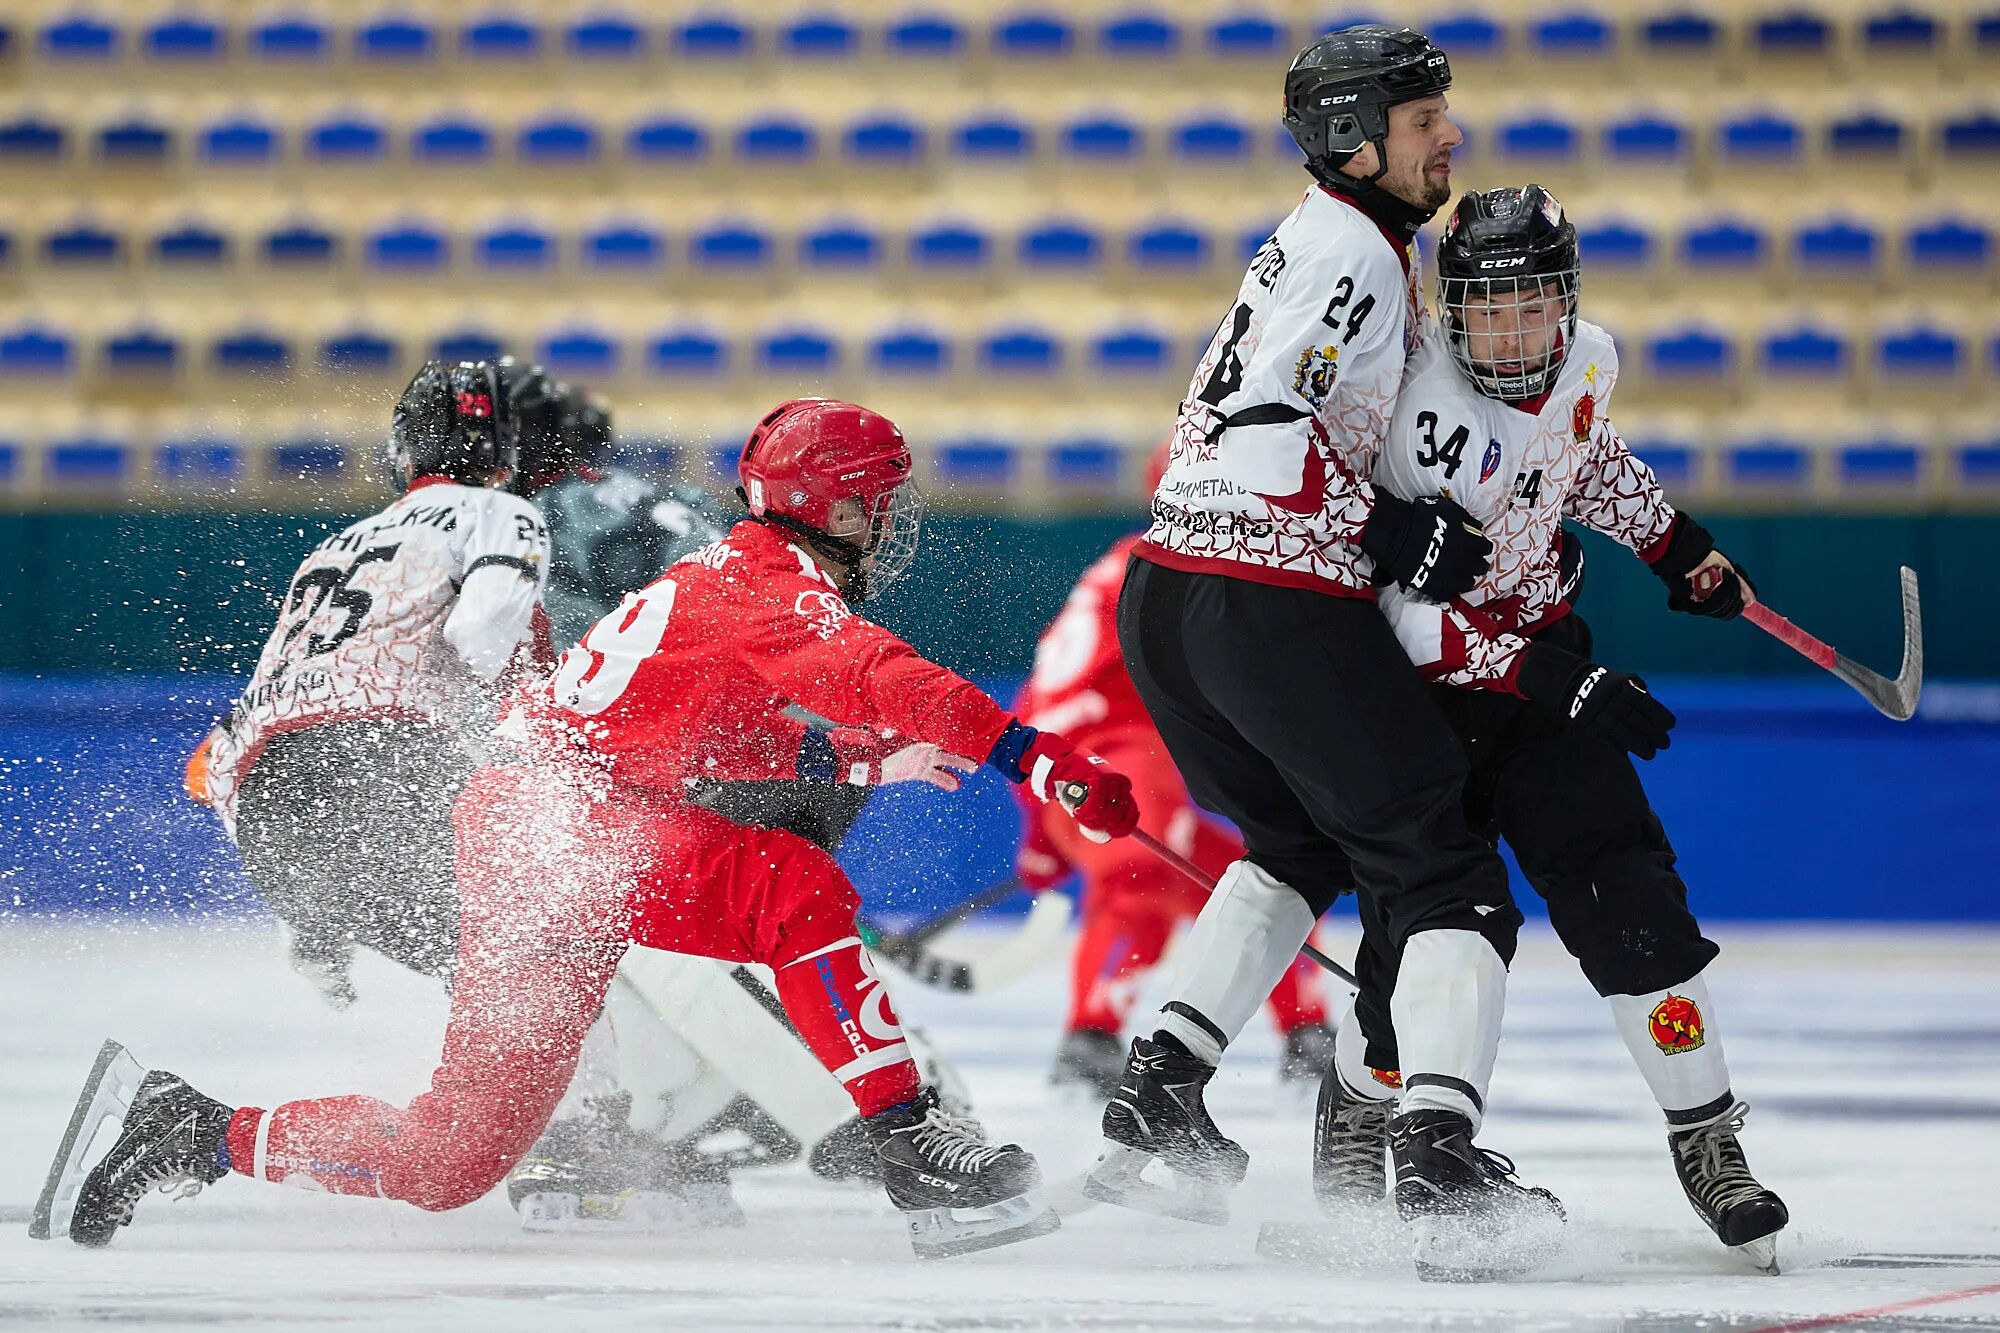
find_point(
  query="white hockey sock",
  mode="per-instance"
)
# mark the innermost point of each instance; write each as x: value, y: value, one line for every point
x: 596, y: 1069
x: 1672, y: 1042
x: 1350, y: 1057
x: 1248, y: 933
x: 1450, y: 992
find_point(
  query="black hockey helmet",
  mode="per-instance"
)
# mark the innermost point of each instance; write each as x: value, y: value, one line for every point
x: 1340, y: 87
x: 536, y: 402
x: 586, y: 429
x: 454, y: 420
x: 1509, y: 250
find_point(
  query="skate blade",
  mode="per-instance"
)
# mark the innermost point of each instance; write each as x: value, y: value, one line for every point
x: 1117, y: 1179
x: 1483, y: 1249
x: 106, y: 1096
x: 1761, y: 1254
x: 941, y: 1233
x: 632, y: 1213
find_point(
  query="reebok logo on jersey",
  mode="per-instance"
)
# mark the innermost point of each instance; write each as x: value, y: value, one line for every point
x: 1583, y: 691
x: 1676, y: 1025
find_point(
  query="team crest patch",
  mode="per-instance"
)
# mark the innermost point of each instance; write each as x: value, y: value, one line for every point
x: 1676, y: 1025
x: 825, y: 612
x: 1318, y: 367
x: 1583, y: 417
x: 1388, y: 1078
x: 1489, y: 462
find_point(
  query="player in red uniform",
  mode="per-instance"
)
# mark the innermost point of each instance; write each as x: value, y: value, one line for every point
x: 1131, y: 901
x: 585, y: 844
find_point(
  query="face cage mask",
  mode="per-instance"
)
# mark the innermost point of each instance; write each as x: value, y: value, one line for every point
x: 1454, y: 296
x: 896, y: 528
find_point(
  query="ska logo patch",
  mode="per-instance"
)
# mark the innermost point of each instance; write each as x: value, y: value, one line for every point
x: 1489, y: 462
x: 1318, y: 368
x: 1388, y: 1078
x: 825, y: 612
x: 1583, y: 418
x: 1676, y: 1025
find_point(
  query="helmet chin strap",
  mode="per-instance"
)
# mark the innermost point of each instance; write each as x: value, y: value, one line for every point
x: 1390, y: 209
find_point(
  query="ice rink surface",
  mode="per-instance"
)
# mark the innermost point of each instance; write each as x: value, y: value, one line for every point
x: 1871, y: 1061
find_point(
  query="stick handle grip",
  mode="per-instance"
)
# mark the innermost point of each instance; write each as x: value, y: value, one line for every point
x: 1785, y: 632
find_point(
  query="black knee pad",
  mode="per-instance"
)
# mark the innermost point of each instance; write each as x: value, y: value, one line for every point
x: 1627, y: 923
x: 1318, y: 877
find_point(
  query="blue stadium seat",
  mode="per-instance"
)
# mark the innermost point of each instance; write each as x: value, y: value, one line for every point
x: 6, y: 247
x: 687, y: 353
x: 840, y: 245
x: 1865, y: 134
x: 31, y: 139
x: 1806, y: 351
x: 468, y: 344
x: 1033, y: 36
x: 1689, y: 354
x: 1950, y: 245
x: 239, y: 141
x: 293, y: 37
x: 347, y: 139
x: 557, y: 141
x: 1139, y: 36
x: 1797, y: 32
x: 993, y: 138
x: 408, y: 247
x: 924, y: 37
x: 82, y: 244
x: 578, y: 351
x: 777, y: 139
x: 1211, y: 139
x: 1767, y: 463
x: 1103, y: 138
x: 819, y: 37
x: 1674, y: 462
x: 300, y: 245
x: 1986, y: 32
x: 1246, y: 36
x: 191, y: 245
x: 976, y: 462
x: 1020, y: 350
x: 358, y: 352
x: 1979, y: 464
x: 798, y: 351
x: 1900, y: 32
x: 950, y: 245
x: 1615, y: 243
x: 909, y: 351
x: 140, y: 352
x: 250, y: 352
x: 1086, y: 464
x: 1543, y: 138
x: 1251, y: 239
x: 516, y: 248
x: 1919, y: 354
x: 202, y: 461
x: 500, y: 37
x: 1724, y: 243
x: 713, y: 37
x: 730, y: 245
x: 1061, y: 244
x: 36, y: 350
x: 623, y: 246
x: 605, y: 37
x: 1131, y: 351
x: 185, y: 37
x: 1575, y: 33
x: 452, y: 139
x: 1837, y: 245
x: 889, y: 140
x: 89, y: 461
x: 1468, y: 35
x: 10, y: 464
x: 1880, y: 464
x: 80, y: 38
x: 1646, y: 138
x: 399, y: 40
x: 1976, y: 135
x: 134, y: 141
x: 666, y: 139
x: 1762, y: 137
x: 306, y: 459
x: 1168, y: 245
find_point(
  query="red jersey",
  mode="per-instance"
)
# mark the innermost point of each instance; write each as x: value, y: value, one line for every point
x: 689, y: 676
x: 1079, y: 685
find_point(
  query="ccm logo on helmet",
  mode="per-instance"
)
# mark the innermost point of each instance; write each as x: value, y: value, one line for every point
x: 1515, y: 262
x: 1341, y: 100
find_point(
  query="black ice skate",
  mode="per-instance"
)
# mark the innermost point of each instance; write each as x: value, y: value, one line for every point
x: 1157, y: 1114
x: 595, y: 1173
x: 1090, y: 1061
x: 1472, y: 1220
x: 1350, y: 1147
x: 170, y: 1139
x: 1743, y: 1214
x: 1308, y: 1053
x: 846, y: 1152
x: 957, y: 1192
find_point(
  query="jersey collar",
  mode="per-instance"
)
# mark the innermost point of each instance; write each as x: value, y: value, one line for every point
x: 1397, y: 243
x: 418, y: 483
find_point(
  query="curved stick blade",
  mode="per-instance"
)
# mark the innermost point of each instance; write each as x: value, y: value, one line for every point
x: 1894, y: 698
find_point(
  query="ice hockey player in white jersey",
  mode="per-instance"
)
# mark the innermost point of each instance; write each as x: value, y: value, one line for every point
x: 336, y: 769
x: 1505, y: 408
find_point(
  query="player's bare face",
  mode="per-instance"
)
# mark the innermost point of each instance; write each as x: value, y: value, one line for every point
x: 1422, y: 136
x: 1511, y: 331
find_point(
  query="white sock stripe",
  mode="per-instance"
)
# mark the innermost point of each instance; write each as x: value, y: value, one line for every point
x: 837, y: 944
x: 260, y: 1155
x: 1038, y: 776
x: 874, y: 1060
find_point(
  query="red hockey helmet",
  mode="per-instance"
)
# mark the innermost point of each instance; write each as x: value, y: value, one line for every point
x: 842, y: 472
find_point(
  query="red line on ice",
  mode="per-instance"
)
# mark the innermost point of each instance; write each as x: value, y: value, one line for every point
x: 1828, y: 1321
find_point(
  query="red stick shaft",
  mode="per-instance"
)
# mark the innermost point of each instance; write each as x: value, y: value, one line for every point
x: 1785, y: 632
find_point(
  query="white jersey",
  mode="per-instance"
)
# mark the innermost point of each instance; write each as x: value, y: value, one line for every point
x: 1268, y: 474
x: 410, y: 614
x: 1519, y: 470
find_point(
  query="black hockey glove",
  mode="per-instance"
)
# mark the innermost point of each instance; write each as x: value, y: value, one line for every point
x: 1611, y: 704
x: 1687, y: 546
x: 1430, y: 546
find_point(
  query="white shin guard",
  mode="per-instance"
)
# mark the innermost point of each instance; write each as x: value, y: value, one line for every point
x: 1248, y: 933
x: 1350, y: 1057
x: 1671, y: 1040
x: 1450, y: 992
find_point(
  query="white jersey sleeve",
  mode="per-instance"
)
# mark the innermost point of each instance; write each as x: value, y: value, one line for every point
x: 506, y: 559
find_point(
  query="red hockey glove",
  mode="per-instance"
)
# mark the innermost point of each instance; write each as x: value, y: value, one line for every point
x: 865, y: 758
x: 1039, y: 864
x: 1096, y: 795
